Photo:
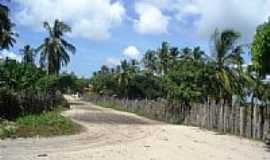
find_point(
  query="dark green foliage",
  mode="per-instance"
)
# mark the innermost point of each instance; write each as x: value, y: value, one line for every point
x: 25, y: 89
x: 16, y: 76
x: 128, y: 82
x: 189, y: 81
x: 144, y: 85
x: 28, y: 55
x: 260, y: 49
x: 54, y: 52
x: 16, y: 104
x: 7, y: 35
x: 184, y: 75
x: 226, y: 54
x: 104, y: 83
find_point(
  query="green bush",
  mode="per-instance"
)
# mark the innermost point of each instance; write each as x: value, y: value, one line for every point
x: 15, y: 104
x: 7, y: 128
x: 45, y: 125
x: 26, y: 89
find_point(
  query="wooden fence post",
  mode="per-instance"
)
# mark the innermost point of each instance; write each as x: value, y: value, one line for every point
x: 261, y: 122
x: 221, y: 117
x: 242, y: 121
x: 255, y: 121
x: 225, y: 120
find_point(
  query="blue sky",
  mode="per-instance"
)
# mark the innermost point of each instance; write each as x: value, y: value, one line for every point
x: 106, y: 31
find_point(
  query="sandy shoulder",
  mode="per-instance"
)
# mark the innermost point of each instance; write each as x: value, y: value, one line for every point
x: 113, y: 135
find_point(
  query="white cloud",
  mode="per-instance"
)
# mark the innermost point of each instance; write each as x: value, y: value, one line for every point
x: 112, y: 62
x: 151, y: 19
x: 242, y: 15
x: 206, y: 15
x: 132, y: 52
x: 91, y: 19
x: 8, y: 54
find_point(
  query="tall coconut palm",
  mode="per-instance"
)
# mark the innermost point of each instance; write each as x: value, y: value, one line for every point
x: 150, y: 61
x: 7, y: 36
x: 128, y: 70
x: 174, y: 53
x: 196, y: 54
x: 55, y: 50
x: 164, y: 57
x: 225, y: 57
x: 28, y: 55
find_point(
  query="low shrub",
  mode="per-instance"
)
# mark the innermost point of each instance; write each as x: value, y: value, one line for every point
x: 45, y: 125
x: 7, y: 128
x: 15, y: 104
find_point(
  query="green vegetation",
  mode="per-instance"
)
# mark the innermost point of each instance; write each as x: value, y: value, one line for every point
x: 261, y: 48
x: 44, y: 125
x: 7, y: 35
x: 184, y: 75
x: 30, y: 94
x: 187, y: 75
x: 188, y: 78
x: 54, y: 50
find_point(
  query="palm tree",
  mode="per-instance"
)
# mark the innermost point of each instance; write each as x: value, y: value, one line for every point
x: 196, y: 54
x: 150, y: 61
x: 164, y: 57
x: 54, y: 52
x: 225, y: 57
x: 128, y: 70
x: 174, y: 53
x: 7, y: 36
x: 105, y: 69
x: 28, y: 55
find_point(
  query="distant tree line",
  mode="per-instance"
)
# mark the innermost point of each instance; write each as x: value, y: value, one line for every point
x: 190, y: 75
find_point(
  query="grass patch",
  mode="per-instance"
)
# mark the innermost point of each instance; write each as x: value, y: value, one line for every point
x: 45, y: 125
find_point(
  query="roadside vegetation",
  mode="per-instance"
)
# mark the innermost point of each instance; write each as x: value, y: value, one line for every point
x: 31, y: 92
x: 187, y: 76
x: 44, y: 125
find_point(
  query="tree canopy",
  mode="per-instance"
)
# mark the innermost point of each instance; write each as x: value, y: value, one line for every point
x: 54, y: 51
x: 261, y: 49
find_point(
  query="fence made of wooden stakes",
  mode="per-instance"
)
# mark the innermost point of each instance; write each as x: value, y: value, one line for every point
x: 251, y: 121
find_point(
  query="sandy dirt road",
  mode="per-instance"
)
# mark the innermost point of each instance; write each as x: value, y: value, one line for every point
x: 113, y: 135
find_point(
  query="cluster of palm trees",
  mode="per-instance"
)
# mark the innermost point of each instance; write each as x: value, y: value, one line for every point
x: 187, y: 74
x: 54, y: 51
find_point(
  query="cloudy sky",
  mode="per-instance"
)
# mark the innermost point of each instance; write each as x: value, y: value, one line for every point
x: 105, y: 31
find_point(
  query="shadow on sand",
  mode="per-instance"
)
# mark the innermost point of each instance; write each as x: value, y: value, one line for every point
x: 76, y: 103
x: 111, y: 118
x: 267, y: 147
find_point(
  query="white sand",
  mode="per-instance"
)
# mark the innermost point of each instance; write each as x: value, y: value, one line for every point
x: 113, y: 135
